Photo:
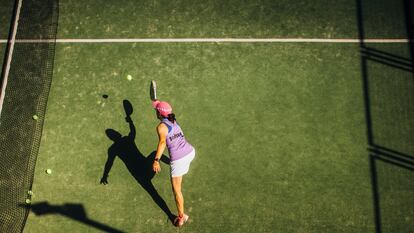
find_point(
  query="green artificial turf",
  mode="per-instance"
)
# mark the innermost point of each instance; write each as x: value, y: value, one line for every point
x: 280, y: 138
x: 383, y: 19
x: 280, y: 129
x: 212, y: 18
x: 395, y: 190
x: 391, y: 107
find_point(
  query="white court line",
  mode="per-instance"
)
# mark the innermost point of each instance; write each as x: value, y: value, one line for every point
x: 212, y: 40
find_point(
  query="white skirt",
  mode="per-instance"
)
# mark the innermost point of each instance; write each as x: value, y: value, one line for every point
x: 181, y: 166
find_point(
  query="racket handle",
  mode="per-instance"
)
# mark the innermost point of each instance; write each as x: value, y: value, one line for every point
x: 153, y: 90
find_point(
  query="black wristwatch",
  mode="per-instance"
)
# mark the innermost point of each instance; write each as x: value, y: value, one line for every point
x: 158, y: 160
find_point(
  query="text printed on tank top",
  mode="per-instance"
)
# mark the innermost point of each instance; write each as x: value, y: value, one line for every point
x: 180, y: 134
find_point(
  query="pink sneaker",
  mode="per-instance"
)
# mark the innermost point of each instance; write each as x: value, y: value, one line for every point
x: 179, y: 221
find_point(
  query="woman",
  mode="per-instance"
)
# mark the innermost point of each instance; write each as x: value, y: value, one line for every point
x: 181, y: 153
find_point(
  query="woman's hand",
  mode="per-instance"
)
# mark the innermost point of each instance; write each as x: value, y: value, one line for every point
x: 156, y: 167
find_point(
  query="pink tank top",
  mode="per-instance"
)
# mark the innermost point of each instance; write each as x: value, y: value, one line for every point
x: 177, y: 145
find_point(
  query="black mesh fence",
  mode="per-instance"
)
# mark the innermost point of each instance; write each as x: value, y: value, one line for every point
x: 24, y: 107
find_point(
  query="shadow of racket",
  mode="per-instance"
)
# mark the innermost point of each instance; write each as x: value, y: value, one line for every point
x: 127, y: 107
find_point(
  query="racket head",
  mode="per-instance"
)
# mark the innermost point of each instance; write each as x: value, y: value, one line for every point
x: 153, y: 90
x: 127, y: 107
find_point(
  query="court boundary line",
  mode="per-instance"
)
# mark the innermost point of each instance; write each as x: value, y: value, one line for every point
x: 210, y: 40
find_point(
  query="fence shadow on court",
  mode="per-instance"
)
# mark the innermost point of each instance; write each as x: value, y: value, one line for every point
x: 139, y: 166
x: 73, y: 211
x: 377, y: 152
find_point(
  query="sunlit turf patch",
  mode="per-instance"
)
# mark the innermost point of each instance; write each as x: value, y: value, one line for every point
x: 212, y: 18
x: 279, y: 129
x: 276, y: 126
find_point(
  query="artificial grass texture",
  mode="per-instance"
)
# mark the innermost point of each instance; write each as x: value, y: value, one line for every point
x: 279, y: 131
x: 279, y: 128
x: 142, y: 19
x: 384, y: 19
x: 212, y: 18
x: 395, y: 190
x: 126, y: 18
x: 391, y: 120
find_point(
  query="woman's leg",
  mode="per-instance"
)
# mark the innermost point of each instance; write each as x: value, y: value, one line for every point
x: 179, y: 199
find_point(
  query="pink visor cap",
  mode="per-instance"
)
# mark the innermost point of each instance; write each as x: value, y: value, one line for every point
x: 162, y: 107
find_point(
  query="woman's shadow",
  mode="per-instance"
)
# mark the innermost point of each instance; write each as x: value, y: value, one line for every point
x: 137, y: 164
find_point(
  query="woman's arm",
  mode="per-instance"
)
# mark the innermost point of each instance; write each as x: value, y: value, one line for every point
x: 162, y: 131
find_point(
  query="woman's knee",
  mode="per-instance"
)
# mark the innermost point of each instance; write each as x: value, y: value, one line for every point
x: 176, y: 185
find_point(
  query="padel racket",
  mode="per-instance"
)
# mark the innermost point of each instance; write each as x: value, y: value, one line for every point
x: 153, y: 90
